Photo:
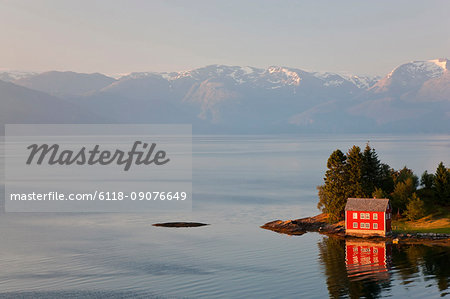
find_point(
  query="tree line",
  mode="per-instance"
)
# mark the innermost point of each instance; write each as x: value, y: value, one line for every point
x: 360, y: 174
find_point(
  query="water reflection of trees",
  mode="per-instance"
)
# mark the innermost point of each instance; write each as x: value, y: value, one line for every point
x: 365, y: 277
x: 432, y: 262
x: 332, y: 256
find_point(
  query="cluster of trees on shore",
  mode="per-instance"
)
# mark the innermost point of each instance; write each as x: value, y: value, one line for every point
x: 360, y: 174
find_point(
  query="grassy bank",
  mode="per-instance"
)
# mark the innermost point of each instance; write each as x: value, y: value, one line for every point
x: 438, y: 222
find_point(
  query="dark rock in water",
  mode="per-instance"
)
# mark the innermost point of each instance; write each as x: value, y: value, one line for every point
x: 180, y: 224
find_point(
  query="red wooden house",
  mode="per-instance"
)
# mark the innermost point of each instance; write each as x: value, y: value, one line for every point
x: 368, y: 216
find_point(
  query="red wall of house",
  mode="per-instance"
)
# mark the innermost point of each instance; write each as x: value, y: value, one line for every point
x: 371, y: 221
x: 388, y: 221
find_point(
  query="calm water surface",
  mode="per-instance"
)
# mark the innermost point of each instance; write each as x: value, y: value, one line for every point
x: 240, y: 182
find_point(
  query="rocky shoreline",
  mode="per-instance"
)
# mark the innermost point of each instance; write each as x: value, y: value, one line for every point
x: 318, y: 224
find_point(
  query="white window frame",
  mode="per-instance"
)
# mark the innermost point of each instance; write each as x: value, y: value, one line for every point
x: 368, y: 216
x: 355, y: 215
x: 375, y: 226
x: 355, y: 224
x: 363, y: 216
x: 375, y: 216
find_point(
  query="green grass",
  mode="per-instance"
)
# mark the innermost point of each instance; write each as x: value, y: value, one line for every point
x: 438, y: 222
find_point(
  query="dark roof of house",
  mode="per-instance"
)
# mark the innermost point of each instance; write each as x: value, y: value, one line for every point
x: 367, y: 204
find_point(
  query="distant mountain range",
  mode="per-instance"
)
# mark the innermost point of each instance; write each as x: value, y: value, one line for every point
x: 413, y: 98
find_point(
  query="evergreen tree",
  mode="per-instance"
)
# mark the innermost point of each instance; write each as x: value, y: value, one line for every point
x: 386, y: 178
x: 334, y: 193
x: 442, y: 184
x: 427, y: 180
x: 371, y: 171
x: 428, y: 192
x: 355, y: 171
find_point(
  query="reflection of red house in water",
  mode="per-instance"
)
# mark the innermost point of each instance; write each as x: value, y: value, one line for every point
x: 366, y: 259
x: 368, y: 216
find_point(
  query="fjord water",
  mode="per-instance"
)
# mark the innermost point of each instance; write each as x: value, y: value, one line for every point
x: 239, y: 183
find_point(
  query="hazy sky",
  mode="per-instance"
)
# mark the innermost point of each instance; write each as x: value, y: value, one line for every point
x: 363, y: 37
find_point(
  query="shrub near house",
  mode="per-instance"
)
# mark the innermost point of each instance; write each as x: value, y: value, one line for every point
x: 368, y: 216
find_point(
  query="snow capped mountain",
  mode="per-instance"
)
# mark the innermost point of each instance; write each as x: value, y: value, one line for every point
x: 414, y: 97
x: 272, y: 77
x: 337, y: 79
x: 283, y: 76
x: 363, y: 82
x: 410, y: 76
x: 428, y: 69
x: 201, y: 74
x: 418, y: 90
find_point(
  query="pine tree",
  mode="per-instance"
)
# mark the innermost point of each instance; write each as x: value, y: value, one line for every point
x: 427, y: 193
x: 334, y: 193
x: 355, y: 171
x: 386, y: 178
x: 427, y: 180
x: 442, y: 184
x: 371, y: 171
